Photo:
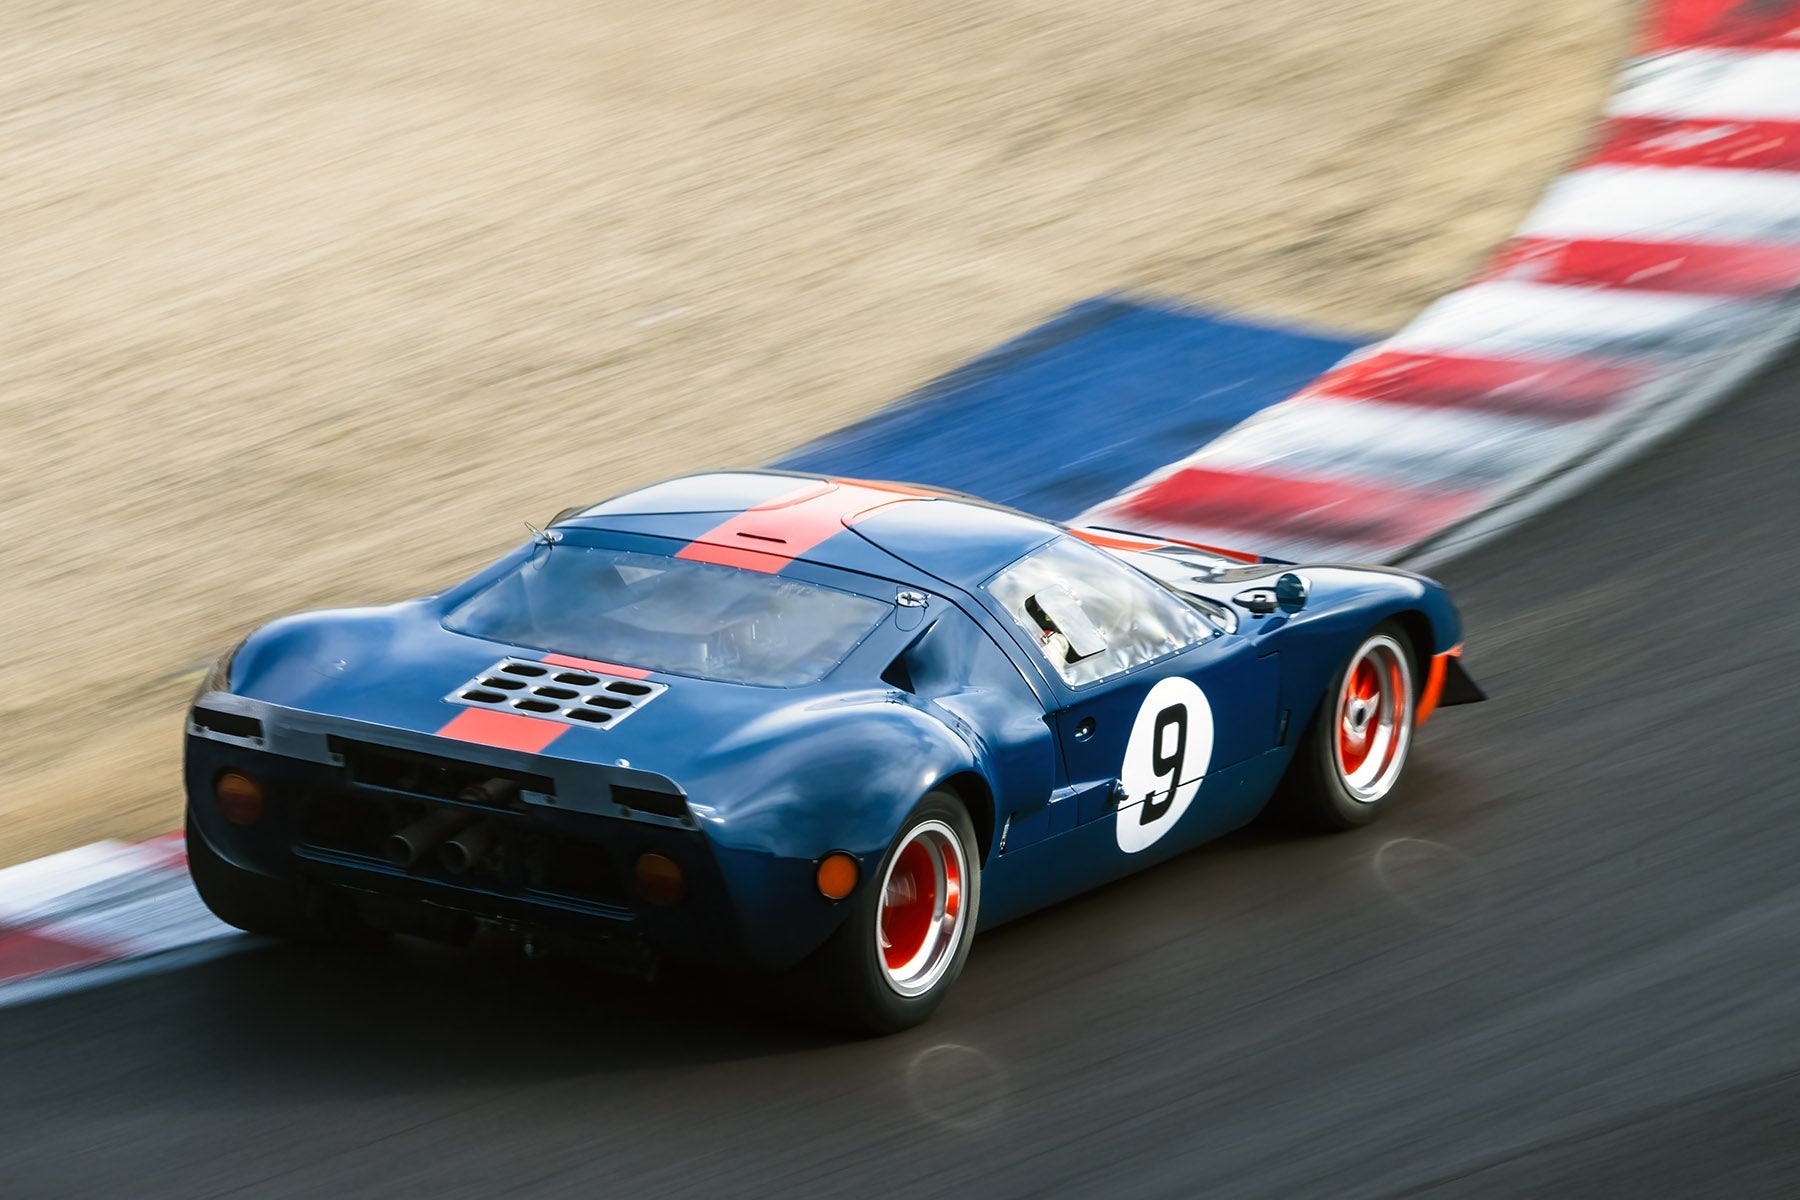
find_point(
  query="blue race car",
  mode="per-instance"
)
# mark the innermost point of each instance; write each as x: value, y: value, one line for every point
x: 797, y: 723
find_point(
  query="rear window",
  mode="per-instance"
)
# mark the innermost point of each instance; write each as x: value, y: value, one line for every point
x: 668, y: 614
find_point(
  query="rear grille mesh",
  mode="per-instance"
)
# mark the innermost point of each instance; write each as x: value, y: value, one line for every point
x: 578, y: 697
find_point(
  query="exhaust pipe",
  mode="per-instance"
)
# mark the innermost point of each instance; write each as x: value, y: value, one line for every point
x: 467, y: 848
x: 416, y: 840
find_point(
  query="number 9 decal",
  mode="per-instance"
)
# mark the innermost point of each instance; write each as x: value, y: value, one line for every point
x: 1167, y: 756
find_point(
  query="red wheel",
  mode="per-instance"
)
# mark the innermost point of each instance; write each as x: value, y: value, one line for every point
x: 907, y: 930
x: 1374, y: 718
x: 1354, y: 749
x: 920, y: 924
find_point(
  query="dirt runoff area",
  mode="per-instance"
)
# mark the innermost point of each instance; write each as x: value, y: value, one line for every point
x: 314, y: 304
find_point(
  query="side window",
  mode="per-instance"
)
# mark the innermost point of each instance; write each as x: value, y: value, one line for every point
x: 1089, y: 615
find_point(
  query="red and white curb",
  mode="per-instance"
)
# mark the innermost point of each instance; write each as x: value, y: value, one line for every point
x: 1647, y: 282
x: 100, y: 906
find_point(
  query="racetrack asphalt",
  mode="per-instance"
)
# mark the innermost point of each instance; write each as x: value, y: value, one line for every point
x: 1566, y: 963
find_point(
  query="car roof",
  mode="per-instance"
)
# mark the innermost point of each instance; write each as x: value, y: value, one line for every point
x: 761, y: 520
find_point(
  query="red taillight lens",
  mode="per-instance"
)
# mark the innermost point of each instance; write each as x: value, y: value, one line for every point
x: 240, y: 798
x: 659, y: 879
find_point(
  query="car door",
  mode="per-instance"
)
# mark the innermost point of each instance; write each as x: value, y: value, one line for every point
x: 1155, y: 704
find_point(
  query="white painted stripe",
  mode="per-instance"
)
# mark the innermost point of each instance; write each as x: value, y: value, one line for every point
x: 1739, y: 85
x: 1273, y: 544
x: 1316, y: 438
x: 1510, y: 318
x: 144, y: 913
x: 1700, y: 204
x: 31, y: 890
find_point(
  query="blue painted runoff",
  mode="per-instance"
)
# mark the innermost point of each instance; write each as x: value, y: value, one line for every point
x: 1075, y: 411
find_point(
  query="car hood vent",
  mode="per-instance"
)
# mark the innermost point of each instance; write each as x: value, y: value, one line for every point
x: 575, y: 695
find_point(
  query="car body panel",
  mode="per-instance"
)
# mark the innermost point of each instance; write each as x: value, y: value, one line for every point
x: 360, y: 720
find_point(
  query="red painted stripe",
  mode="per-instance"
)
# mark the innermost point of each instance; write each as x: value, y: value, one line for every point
x: 737, y: 556
x: 1709, y: 268
x: 1666, y: 142
x: 503, y: 730
x: 1569, y: 388
x: 1109, y: 541
x: 1315, y: 508
x: 1135, y: 545
x: 24, y: 953
x: 770, y: 536
x: 595, y: 665
x: 1680, y: 23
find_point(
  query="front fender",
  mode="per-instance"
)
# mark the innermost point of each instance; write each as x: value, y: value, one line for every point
x: 1345, y: 603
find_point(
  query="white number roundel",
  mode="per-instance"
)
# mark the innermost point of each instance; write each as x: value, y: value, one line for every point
x: 1170, y: 749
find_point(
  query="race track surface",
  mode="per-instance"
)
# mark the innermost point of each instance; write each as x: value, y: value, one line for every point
x: 1567, y: 962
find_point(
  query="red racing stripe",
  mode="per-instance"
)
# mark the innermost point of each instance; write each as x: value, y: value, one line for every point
x: 770, y: 536
x: 1568, y: 388
x: 1132, y: 545
x: 1109, y: 541
x: 1709, y: 268
x: 1668, y: 142
x: 595, y: 665
x: 502, y: 730
x: 1333, y: 509
x: 1678, y: 24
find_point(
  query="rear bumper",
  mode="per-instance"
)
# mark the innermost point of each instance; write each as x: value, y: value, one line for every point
x: 562, y: 852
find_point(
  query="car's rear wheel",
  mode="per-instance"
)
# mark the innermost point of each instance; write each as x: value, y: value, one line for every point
x: 1355, y: 748
x: 270, y: 907
x: 908, y: 931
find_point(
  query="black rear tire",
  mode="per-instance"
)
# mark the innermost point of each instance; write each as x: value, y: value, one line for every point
x: 1318, y: 794
x: 859, y: 989
x: 270, y: 907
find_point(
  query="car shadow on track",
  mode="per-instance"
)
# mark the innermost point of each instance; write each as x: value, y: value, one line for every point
x: 280, y: 1024
x: 422, y: 1012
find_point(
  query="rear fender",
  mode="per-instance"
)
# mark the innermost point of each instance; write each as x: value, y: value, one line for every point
x: 783, y: 792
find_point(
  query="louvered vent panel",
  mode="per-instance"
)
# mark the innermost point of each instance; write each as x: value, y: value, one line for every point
x: 590, y: 698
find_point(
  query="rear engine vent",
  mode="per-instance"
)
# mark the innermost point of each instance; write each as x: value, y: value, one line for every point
x: 661, y: 803
x: 392, y: 769
x: 230, y: 724
x: 591, y: 698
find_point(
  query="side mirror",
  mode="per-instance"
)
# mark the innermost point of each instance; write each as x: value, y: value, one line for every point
x: 1258, y: 601
x: 1291, y: 591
